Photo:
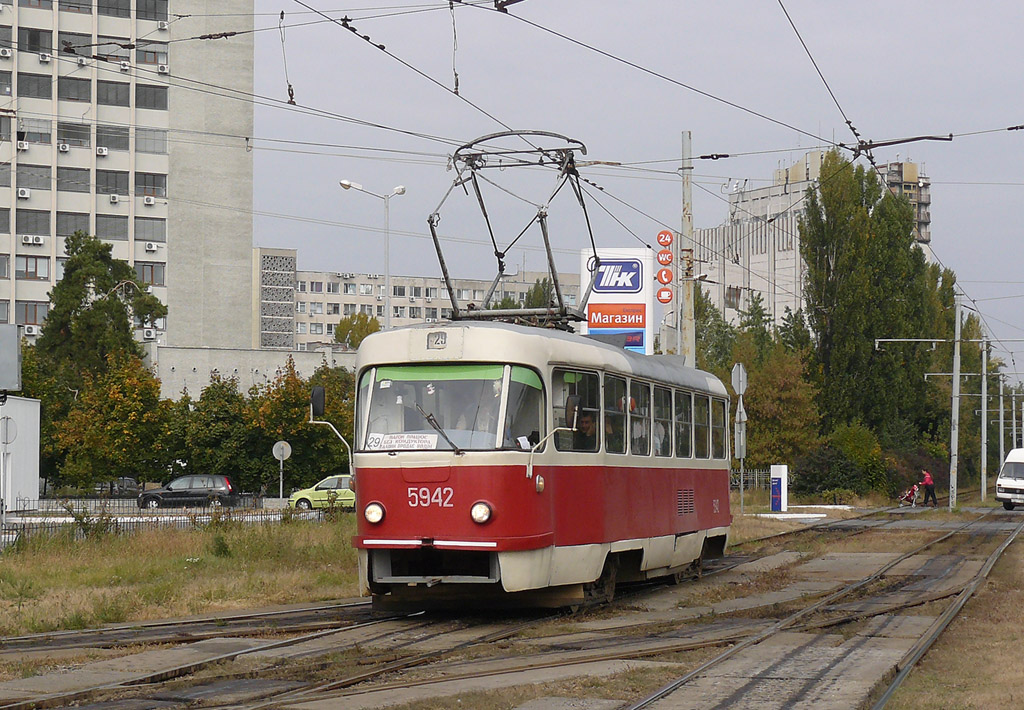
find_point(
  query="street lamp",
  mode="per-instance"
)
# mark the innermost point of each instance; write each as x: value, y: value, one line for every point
x: 400, y: 190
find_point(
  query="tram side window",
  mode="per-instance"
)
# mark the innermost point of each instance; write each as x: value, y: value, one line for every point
x: 701, y: 426
x: 586, y: 385
x: 525, y: 411
x: 640, y: 418
x: 363, y: 402
x: 614, y: 414
x: 662, y: 432
x: 684, y: 425
x: 718, y: 437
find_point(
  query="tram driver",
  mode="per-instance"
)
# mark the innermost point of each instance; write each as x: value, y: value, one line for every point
x: 585, y: 436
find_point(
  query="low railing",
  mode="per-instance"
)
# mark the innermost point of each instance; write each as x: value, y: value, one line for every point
x: 247, y: 501
x: 752, y: 478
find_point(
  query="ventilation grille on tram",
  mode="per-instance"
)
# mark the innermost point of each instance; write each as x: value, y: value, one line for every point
x: 684, y: 502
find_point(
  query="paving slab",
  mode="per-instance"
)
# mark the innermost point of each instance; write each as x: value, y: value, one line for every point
x: 570, y: 704
x: 845, y: 566
x: 228, y: 691
x: 370, y: 699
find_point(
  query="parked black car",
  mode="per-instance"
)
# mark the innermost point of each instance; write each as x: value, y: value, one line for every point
x: 192, y: 491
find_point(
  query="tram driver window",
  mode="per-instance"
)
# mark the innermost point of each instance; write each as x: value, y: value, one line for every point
x: 718, y: 429
x: 615, y: 414
x: 701, y: 426
x: 585, y: 385
x: 523, y: 420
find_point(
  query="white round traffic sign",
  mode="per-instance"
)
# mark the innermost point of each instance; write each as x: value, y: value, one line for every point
x: 282, y: 450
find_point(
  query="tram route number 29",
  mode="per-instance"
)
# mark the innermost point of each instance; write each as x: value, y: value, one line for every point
x: 426, y: 497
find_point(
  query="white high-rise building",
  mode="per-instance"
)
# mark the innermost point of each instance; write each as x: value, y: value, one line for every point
x: 109, y: 126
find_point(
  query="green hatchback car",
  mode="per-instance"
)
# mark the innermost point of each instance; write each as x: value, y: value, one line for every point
x: 333, y: 490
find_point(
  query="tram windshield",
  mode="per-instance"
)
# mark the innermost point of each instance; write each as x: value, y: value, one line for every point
x: 450, y: 406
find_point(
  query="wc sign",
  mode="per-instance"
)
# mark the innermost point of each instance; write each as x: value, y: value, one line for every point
x: 619, y: 276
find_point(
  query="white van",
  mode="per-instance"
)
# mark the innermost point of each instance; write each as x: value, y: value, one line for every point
x: 1010, y: 482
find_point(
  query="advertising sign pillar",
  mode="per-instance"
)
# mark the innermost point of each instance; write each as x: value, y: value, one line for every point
x: 780, y: 488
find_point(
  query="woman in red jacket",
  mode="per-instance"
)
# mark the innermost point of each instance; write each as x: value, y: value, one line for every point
x: 929, y: 488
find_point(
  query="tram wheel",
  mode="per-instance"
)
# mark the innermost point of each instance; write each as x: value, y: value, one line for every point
x: 691, y: 572
x: 602, y: 590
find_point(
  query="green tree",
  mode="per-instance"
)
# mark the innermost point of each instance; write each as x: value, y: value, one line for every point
x: 506, y: 303
x: 757, y: 322
x: 352, y: 329
x: 793, y: 333
x: 219, y: 435
x: 540, y: 295
x: 92, y: 308
x: 115, y: 427
x: 715, y: 337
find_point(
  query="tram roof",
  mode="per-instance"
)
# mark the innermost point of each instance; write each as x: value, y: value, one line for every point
x: 488, y: 341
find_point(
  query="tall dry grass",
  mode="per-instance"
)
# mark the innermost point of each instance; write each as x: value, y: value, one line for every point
x: 58, y: 582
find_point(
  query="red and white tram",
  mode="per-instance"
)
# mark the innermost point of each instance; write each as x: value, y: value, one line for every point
x: 472, y: 486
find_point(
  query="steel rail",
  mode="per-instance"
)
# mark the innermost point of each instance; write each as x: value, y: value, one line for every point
x: 792, y: 619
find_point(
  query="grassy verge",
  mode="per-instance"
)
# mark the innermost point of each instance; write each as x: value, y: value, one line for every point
x: 61, y: 583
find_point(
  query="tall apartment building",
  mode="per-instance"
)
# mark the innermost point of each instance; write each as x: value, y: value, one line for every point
x: 109, y: 126
x: 298, y: 310
x: 757, y: 250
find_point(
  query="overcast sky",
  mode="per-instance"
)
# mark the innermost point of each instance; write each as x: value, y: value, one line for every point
x: 897, y: 70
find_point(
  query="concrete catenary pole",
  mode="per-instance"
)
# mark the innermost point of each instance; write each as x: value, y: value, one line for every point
x: 954, y: 425
x: 686, y: 340
x: 1002, y: 424
x: 984, y: 419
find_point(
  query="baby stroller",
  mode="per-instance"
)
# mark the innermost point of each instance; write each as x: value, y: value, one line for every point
x: 909, y: 497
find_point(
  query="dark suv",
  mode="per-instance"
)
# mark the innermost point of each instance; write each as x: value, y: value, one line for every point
x: 192, y: 491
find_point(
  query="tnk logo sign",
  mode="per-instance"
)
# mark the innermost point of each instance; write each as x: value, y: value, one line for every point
x: 618, y: 276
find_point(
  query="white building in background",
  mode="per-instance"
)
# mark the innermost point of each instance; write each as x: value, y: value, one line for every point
x: 757, y: 249
x: 116, y: 138
x: 298, y: 310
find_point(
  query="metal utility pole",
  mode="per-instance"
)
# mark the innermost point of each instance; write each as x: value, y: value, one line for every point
x: 686, y: 339
x: 1002, y: 424
x: 1013, y: 418
x: 954, y: 427
x: 984, y: 419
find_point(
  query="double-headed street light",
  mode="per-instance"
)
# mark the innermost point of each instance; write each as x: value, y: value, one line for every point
x: 400, y: 190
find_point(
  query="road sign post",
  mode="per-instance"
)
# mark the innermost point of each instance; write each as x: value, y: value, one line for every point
x: 739, y: 385
x: 282, y: 450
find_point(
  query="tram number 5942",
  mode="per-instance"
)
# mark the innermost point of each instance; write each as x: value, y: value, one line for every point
x: 426, y: 497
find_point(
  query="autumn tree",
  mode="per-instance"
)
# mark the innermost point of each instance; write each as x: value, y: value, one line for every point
x: 715, y: 337
x: 352, y: 329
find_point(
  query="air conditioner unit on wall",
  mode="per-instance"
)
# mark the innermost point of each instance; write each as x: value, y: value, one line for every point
x: 149, y: 200
x: 101, y: 151
x: 31, y: 330
x: 163, y: 69
x: 114, y: 199
x: 149, y: 334
x: 37, y: 239
x: 44, y: 58
x: 82, y: 61
x: 380, y: 298
x: 163, y: 25
x: 126, y: 66
x: 24, y: 193
x: 63, y: 147
x: 150, y: 246
x: 26, y: 238
x: 22, y: 145
x: 6, y: 52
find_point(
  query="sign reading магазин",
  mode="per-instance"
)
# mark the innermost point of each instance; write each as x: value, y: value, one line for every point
x: 622, y: 302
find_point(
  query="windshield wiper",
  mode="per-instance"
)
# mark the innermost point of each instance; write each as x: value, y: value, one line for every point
x: 432, y: 421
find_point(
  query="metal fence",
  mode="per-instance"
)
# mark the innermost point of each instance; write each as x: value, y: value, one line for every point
x: 83, y: 523
x: 117, y: 506
x: 752, y: 478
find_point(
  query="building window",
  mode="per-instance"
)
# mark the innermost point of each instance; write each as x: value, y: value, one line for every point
x: 350, y: 289
x: 381, y: 291
x: 6, y: 88
x: 415, y: 312
x: 58, y: 270
x: 151, y: 52
x: 463, y: 294
x: 301, y: 286
x: 114, y: 8
x: 113, y: 227
x: 446, y: 313
x: 417, y: 292
x: 35, y: 268
x: 398, y: 311
x: 316, y: 328
x: 380, y: 311
x: 366, y: 310
x: 431, y: 291
x: 35, y: 177
x: 151, y: 97
x: 70, y: 222
x: 335, y: 287
x: 148, y: 229
x: 73, y: 179
x: 350, y: 309
x: 76, y: 134
x: 732, y: 297
x: 150, y: 272
x: 33, y: 40
x: 30, y: 312
x: 153, y: 184
x: 431, y: 313
x: 113, y: 48
x: 112, y: 182
x: 6, y: 33
x: 151, y: 140
x: 365, y: 289
x: 5, y: 269
x: 112, y: 137
x: 316, y: 286
x: 113, y: 93
x: 4, y: 314
x: 334, y: 309
x: 35, y: 86
x: 33, y: 222
x: 83, y: 6
x: 69, y: 89
x: 398, y: 291
x: 300, y: 328
x: 5, y: 174
x: 330, y: 328
x: 35, y: 130
x: 152, y: 9
x: 316, y: 308
x: 300, y: 306
x: 5, y: 220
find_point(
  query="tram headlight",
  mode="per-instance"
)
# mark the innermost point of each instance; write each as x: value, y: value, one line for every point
x: 374, y: 513
x: 480, y: 512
